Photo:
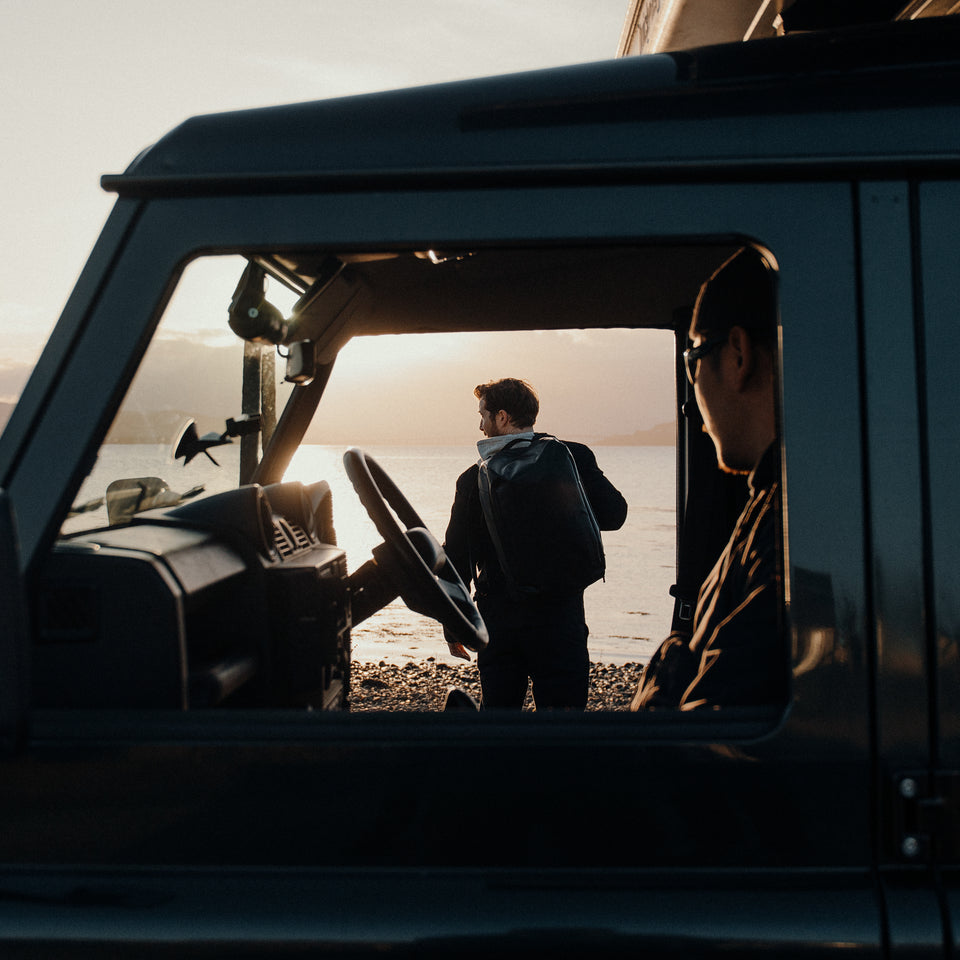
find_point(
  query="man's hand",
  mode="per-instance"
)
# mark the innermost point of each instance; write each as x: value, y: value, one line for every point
x: 458, y: 650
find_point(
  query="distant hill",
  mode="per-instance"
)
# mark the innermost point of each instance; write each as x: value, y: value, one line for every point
x: 662, y: 435
x: 158, y: 426
x: 163, y: 427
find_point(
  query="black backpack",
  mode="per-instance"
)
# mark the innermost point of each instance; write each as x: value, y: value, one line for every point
x: 540, y: 520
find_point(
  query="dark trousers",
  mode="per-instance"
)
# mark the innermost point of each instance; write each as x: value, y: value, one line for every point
x: 543, y: 640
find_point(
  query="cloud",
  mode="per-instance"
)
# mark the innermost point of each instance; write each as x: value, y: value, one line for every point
x: 99, y: 94
x: 13, y: 378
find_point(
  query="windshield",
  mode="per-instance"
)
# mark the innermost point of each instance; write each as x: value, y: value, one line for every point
x: 183, y: 426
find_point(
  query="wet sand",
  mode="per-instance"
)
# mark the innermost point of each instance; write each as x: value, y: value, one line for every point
x: 422, y: 685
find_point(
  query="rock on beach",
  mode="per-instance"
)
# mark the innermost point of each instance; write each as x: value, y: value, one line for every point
x: 421, y: 685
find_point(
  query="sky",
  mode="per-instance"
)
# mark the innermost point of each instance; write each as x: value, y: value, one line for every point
x: 89, y: 85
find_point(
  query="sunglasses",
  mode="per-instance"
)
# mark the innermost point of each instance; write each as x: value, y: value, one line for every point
x: 692, y: 357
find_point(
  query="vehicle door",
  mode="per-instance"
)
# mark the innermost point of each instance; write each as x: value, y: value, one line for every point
x: 895, y: 243
x: 13, y: 627
x: 933, y: 815
x: 674, y: 832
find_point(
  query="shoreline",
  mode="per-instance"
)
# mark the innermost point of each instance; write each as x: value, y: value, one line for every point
x: 418, y: 686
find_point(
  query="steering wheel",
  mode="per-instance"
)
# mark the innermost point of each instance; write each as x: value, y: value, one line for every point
x: 412, y: 557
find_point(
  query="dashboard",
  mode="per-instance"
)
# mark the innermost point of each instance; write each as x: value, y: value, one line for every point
x: 240, y: 599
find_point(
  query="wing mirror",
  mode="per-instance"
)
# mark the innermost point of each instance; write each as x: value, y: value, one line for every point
x: 189, y: 444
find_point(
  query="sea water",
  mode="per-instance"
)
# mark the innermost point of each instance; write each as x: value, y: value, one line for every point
x: 628, y: 613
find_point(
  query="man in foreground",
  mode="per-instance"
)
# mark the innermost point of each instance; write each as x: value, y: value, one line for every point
x: 542, y: 638
x: 735, y: 655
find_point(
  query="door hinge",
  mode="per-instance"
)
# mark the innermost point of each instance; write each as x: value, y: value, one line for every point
x: 927, y: 816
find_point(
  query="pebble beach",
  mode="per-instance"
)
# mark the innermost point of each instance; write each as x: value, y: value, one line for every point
x: 422, y: 685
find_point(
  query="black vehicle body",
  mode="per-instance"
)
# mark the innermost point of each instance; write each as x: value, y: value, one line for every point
x: 137, y: 823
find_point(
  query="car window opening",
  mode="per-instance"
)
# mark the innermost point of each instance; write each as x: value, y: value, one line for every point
x: 228, y: 456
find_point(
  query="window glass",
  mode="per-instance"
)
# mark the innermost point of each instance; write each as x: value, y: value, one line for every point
x: 192, y: 373
x: 591, y: 331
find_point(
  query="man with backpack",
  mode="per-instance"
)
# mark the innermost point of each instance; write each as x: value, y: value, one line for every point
x: 524, y: 529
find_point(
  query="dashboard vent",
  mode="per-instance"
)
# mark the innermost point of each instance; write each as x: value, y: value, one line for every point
x: 301, y: 537
x: 282, y: 542
x: 289, y: 538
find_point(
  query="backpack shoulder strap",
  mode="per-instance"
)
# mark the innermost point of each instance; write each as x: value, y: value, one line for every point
x: 490, y: 518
